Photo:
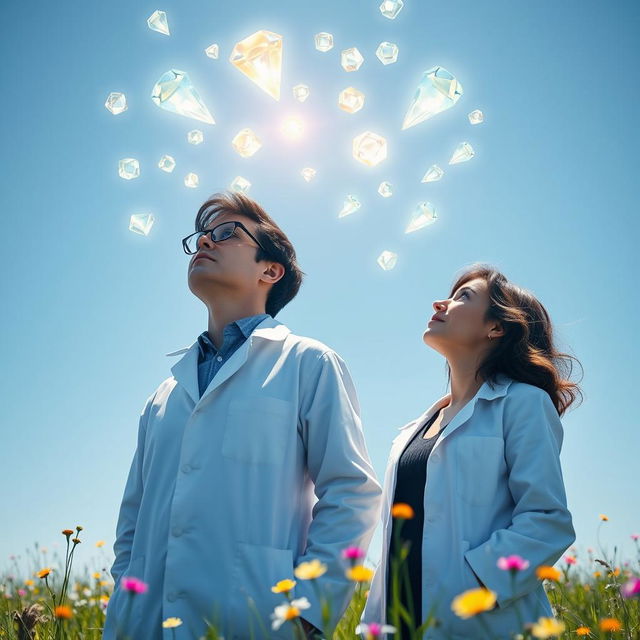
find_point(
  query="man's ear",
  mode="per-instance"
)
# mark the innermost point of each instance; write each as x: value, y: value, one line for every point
x: 272, y: 272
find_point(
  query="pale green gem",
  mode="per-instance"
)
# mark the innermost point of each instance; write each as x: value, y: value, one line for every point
x: 195, y: 136
x: 240, y: 184
x: 116, y: 103
x: 391, y: 8
x: 387, y: 260
x: 433, y: 174
x: 141, y: 223
x: 385, y: 189
x: 191, y: 180
x: 437, y: 91
x: 246, y: 143
x: 167, y: 163
x: 128, y: 168
x: 308, y: 174
x: 463, y: 153
x: 324, y: 41
x: 423, y: 215
x: 212, y: 51
x: 351, y: 59
x: 175, y: 93
x: 476, y: 117
x: 351, y: 204
x: 351, y: 100
x: 157, y: 21
x: 387, y: 52
x: 369, y: 148
x: 301, y: 92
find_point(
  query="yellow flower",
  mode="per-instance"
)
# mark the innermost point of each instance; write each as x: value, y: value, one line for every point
x: 402, y: 510
x: 43, y: 573
x: 583, y: 631
x: 547, y: 628
x: 548, y: 573
x: 359, y: 573
x: 171, y: 623
x: 596, y: 574
x: 310, y: 570
x: 103, y: 583
x: 29, y: 582
x: 79, y: 528
x: 473, y: 602
x: 104, y: 598
x: 97, y: 575
x: 100, y: 543
x: 76, y: 540
x: 610, y: 624
x: 284, y: 586
x: 63, y: 612
x: 615, y: 572
x: 603, y: 517
x: 36, y: 591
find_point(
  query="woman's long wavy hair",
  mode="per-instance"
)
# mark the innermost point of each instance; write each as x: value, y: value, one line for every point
x: 526, y: 352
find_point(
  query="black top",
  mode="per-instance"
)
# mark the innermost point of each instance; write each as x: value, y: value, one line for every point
x: 411, y: 476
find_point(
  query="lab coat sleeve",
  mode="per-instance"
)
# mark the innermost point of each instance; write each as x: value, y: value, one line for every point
x: 348, y: 493
x: 541, y: 528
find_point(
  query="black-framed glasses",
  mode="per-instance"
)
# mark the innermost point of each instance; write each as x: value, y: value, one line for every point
x: 219, y: 233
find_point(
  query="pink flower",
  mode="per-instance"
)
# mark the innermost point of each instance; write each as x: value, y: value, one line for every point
x: 570, y: 559
x: 133, y: 584
x: 353, y: 553
x: 631, y: 588
x: 635, y: 537
x: 513, y: 563
x: 22, y: 592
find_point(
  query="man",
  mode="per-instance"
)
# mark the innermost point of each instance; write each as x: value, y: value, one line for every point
x: 250, y: 458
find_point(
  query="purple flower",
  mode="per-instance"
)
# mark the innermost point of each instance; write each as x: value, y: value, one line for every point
x: 513, y: 563
x: 631, y: 588
x: 353, y: 553
x: 133, y: 584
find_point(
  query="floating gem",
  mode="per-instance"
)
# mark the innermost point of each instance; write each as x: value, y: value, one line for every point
x: 308, y: 174
x: 292, y: 128
x: 175, y: 93
x: 212, y: 51
x: 141, y: 223
x: 240, y: 184
x: 351, y: 204
x: 433, y: 174
x: 387, y: 52
x: 246, y: 143
x: 259, y: 57
x: 324, y: 41
x: 128, y: 168
x: 301, y: 92
x: 423, y: 215
x: 391, y: 8
x: 369, y: 148
x: 351, y: 100
x: 351, y: 59
x: 157, y: 21
x: 191, y: 180
x: 385, y: 189
x: 476, y: 117
x: 387, y: 260
x: 463, y: 153
x: 116, y: 103
x: 167, y: 163
x: 195, y: 136
x: 437, y: 91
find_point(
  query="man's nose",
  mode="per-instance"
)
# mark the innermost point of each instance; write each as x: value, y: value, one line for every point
x: 205, y: 240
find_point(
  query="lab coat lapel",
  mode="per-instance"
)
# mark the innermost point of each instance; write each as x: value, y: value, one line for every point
x: 185, y: 371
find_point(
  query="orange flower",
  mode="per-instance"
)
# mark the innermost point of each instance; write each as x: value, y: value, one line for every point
x: 67, y: 532
x: 359, y: 573
x: 75, y: 540
x: 29, y: 582
x: 583, y: 631
x: 100, y: 543
x: 615, y: 572
x: 43, y: 573
x: 597, y: 574
x: 63, y: 612
x: 402, y: 510
x: 548, y: 573
x: 603, y: 517
x: 610, y: 624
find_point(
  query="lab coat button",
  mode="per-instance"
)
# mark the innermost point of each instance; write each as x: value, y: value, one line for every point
x: 176, y: 531
x: 186, y: 468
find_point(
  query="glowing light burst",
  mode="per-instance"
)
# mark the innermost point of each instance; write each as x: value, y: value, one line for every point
x: 292, y: 128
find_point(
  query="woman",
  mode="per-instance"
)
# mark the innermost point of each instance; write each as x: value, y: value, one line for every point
x: 480, y: 468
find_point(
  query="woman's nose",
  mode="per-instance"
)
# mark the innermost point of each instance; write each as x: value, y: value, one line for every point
x: 439, y: 306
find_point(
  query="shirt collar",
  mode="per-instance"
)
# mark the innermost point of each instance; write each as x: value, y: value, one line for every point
x: 242, y: 326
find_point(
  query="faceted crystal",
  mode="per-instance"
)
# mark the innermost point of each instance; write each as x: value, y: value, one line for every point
x: 128, y: 168
x: 391, y: 8
x: 463, y: 153
x: 116, y: 103
x: 423, y: 215
x: 324, y: 41
x: 301, y: 92
x: 476, y: 117
x: 434, y: 173
x: 157, y: 21
x: 385, y: 189
x: 369, y: 148
x: 167, y: 163
x: 308, y: 174
x: 351, y: 59
x: 259, y: 57
x: 387, y: 260
x: 212, y: 51
x: 438, y: 90
x: 191, y: 180
x: 387, y: 52
x: 351, y: 100
x: 175, y: 93
x: 240, y: 184
x: 246, y: 143
x: 195, y: 136
x: 351, y: 204
x: 141, y: 223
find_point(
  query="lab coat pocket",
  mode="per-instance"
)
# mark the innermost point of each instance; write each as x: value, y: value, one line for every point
x: 480, y: 464
x: 125, y: 611
x: 468, y: 578
x: 257, y: 429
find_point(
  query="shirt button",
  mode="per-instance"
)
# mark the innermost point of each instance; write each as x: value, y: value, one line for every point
x: 219, y: 358
x: 172, y: 597
x: 186, y: 468
x: 176, y: 531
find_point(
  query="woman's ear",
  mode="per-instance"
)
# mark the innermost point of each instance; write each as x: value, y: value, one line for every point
x: 497, y: 331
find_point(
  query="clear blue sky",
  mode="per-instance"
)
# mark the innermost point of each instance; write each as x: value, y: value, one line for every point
x: 90, y: 309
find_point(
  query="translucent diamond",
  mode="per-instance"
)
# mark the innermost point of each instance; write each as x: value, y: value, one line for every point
x: 324, y: 41
x: 423, y: 215
x: 141, y: 223
x: 191, y: 180
x: 195, y: 136
x: 246, y: 143
x: 351, y: 59
x: 476, y: 117
x: 369, y: 148
x: 128, y: 168
x: 157, y: 21
x: 175, y: 93
x: 167, y: 163
x: 391, y: 8
x: 308, y: 174
x: 259, y: 57
x: 301, y: 92
x: 116, y: 103
x: 387, y: 52
x: 437, y: 91
x: 212, y: 51
x: 240, y: 184
x: 351, y: 204
x: 385, y: 189
x: 433, y: 174
x: 463, y: 153
x: 387, y: 260
x: 351, y: 100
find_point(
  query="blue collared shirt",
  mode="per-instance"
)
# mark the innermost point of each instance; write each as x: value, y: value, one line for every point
x: 210, y: 359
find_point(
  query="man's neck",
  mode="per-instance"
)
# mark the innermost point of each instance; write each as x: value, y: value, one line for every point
x: 220, y: 315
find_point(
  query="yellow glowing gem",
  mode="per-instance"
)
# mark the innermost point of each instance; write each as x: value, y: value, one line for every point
x: 292, y: 128
x: 369, y: 148
x: 246, y: 143
x: 351, y: 100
